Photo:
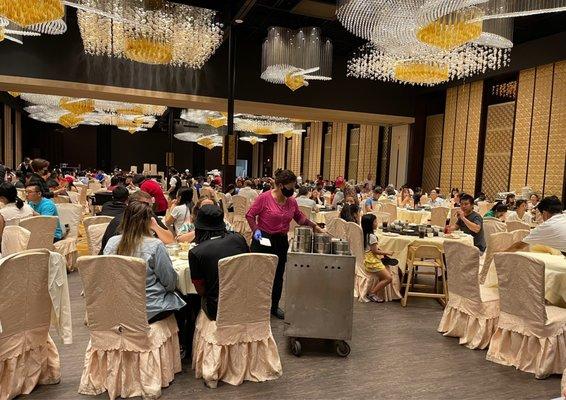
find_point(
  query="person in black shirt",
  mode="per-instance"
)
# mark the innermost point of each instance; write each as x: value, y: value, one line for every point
x: 118, y: 204
x: 213, y: 244
x: 157, y: 227
x: 470, y: 222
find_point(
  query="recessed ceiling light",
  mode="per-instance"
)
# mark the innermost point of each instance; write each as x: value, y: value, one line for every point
x: 239, y: 21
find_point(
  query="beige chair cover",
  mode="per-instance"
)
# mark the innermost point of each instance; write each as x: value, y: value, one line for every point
x: 330, y: 216
x: 61, y: 200
x: 424, y: 199
x: 42, y: 230
x: 95, y: 235
x: 517, y: 225
x: 239, y: 223
x: 467, y: 316
x: 239, y: 345
x: 493, y: 225
x: 530, y: 335
x: 223, y: 199
x: 307, y: 211
x: 28, y: 356
x: 69, y: 214
x: 496, y: 243
x: 88, y: 221
x: 338, y: 228
x: 22, y: 194
x: 83, y: 201
x: 14, y: 239
x: 484, y: 206
x: 438, y: 216
x: 125, y: 356
x: 74, y: 197
x: 520, y: 234
x: 94, y: 186
x: 390, y: 209
x: 382, y: 216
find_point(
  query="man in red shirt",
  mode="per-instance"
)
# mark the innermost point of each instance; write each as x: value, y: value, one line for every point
x: 154, y: 189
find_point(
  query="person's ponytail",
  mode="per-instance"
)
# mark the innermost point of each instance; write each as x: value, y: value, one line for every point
x: 19, y: 203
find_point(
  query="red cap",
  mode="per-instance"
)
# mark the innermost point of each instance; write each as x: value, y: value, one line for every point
x: 339, y: 181
x: 69, y: 179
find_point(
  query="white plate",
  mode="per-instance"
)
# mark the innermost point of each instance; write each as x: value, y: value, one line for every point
x: 391, y: 234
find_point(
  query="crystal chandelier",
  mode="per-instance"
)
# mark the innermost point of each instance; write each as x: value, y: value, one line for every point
x: 205, y: 139
x: 426, y: 42
x: 295, y: 57
x: 150, y: 32
x: 13, y: 33
x: 71, y: 112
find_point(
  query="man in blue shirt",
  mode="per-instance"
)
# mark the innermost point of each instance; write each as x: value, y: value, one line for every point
x: 371, y: 201
x: 43, y: 206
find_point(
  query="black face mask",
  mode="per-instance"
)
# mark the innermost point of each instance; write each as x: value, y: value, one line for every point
x: 287, y: 192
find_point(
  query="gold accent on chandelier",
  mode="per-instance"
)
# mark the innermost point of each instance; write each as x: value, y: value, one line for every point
x: 288, y: 134
x: 148, y: 51
x: 77, y: 106
x: 206, y: 142
x: 70, y: 120
x: 14, y: 94
x: 216, y: 122
x: 260, y: 130
x: 30, y: 12
x: 453, y: 30
x: 294, y: 82
x: 421, y: 72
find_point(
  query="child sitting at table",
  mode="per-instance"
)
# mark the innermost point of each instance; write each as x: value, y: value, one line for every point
x: 375, y: 259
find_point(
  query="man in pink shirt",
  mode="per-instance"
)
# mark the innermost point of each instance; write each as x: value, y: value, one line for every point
x: 152, y: 188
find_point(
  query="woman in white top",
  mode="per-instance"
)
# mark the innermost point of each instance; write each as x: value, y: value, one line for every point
x: 181, y: 211
x: 520, y: 213
x: 14, y: 208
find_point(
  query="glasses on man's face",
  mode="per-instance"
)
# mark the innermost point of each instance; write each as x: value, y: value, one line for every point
x: 31, y: 191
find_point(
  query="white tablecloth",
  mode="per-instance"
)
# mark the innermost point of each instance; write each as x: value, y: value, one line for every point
x: 401, y: 245
x: 181, y: 266
x: 554, y: 276
x: 320, y: 217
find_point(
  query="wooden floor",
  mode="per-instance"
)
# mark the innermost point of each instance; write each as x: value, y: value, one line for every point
x: 396, y: 354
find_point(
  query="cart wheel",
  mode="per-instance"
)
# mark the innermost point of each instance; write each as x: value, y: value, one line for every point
x: 295, y: 347
x: 342, y: 348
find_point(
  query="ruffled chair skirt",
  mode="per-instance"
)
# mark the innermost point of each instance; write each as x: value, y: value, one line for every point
x: 474, y: 332
x: 541, y: 356
x: 256, y: 360
x: 38, y: 365
x: 363, y: 284
x: 126, y: 373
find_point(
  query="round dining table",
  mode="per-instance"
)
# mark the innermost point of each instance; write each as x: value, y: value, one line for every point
x: 402, y: 246
x: 413, y: 216
x: 181, y: 267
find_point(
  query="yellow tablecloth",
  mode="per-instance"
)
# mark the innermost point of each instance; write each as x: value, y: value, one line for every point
x: 412, y: 216
x: 402, y: 245
x: 184, y: 283
x: 554, y: 276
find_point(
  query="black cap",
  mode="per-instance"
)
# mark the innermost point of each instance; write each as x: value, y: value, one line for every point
x: 210, y: 218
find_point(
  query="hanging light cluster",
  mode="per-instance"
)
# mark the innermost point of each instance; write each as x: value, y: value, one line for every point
x: 149, y: 32
x: 72, y: 112
x: 295, y: 57
x: 427, y: 42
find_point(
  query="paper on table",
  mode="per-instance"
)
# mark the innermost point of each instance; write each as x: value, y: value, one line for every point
x: 558, y: 398
x: 265, y: 242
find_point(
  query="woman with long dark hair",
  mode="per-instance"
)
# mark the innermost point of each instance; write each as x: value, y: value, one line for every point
x: 136, y: 240
x: 269, y: 217
x: 350, y: 213
x: 14, y: 208
x: 373, y: 258
x: 181, y: 211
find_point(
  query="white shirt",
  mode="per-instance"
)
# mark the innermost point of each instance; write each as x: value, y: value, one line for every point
x: 180, y: 213
x: 438, y: 202
x: 305, y: 201
x: 551, y: 232
x: 12, y: 214
x: 513, y: 216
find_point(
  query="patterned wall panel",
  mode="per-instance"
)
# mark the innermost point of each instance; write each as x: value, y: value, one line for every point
x: 353, y: 153
x: 279, y: 153
x: 539, y: 127
x: 8, y: 136
x: 460, y: 134
x: 522, y: 131
x: 18, y: 138
x: 315, y: 149
x: 554, y: 176
x: 497, y: 152
x: 472, y: 138
x: 432, y: 152
x: 327, y: 154
x: 368, y: 152
x: 295, y: 146
x: 384, y: 162
x: 339, y: 140
x: 448, y: 139
x: 305, y: 165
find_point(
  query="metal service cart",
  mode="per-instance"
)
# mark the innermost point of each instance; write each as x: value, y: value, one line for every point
x: 319, y: 299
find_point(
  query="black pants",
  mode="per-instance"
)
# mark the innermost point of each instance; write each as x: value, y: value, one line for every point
x: 279, y: 247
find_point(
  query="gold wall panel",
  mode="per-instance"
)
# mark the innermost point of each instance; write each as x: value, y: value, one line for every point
x: 460, y: 129
x: 554, y: 177
x: 295, y: 144
x: 497, y: 152
x: 305, y: 166
x: 384, y: 167
x: 522, y: 131
x: 368, y: 152
x: 539, y: 127
x: 338, y: 151
x: 353, y: 154
x: 327, y: 154
x: 448, y: 139
x: 472, y: 138
x: 433, y: 148
x: 314, y: 150
x: 18, y: 138
x: 279, y: 153
x: 7, y: 130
